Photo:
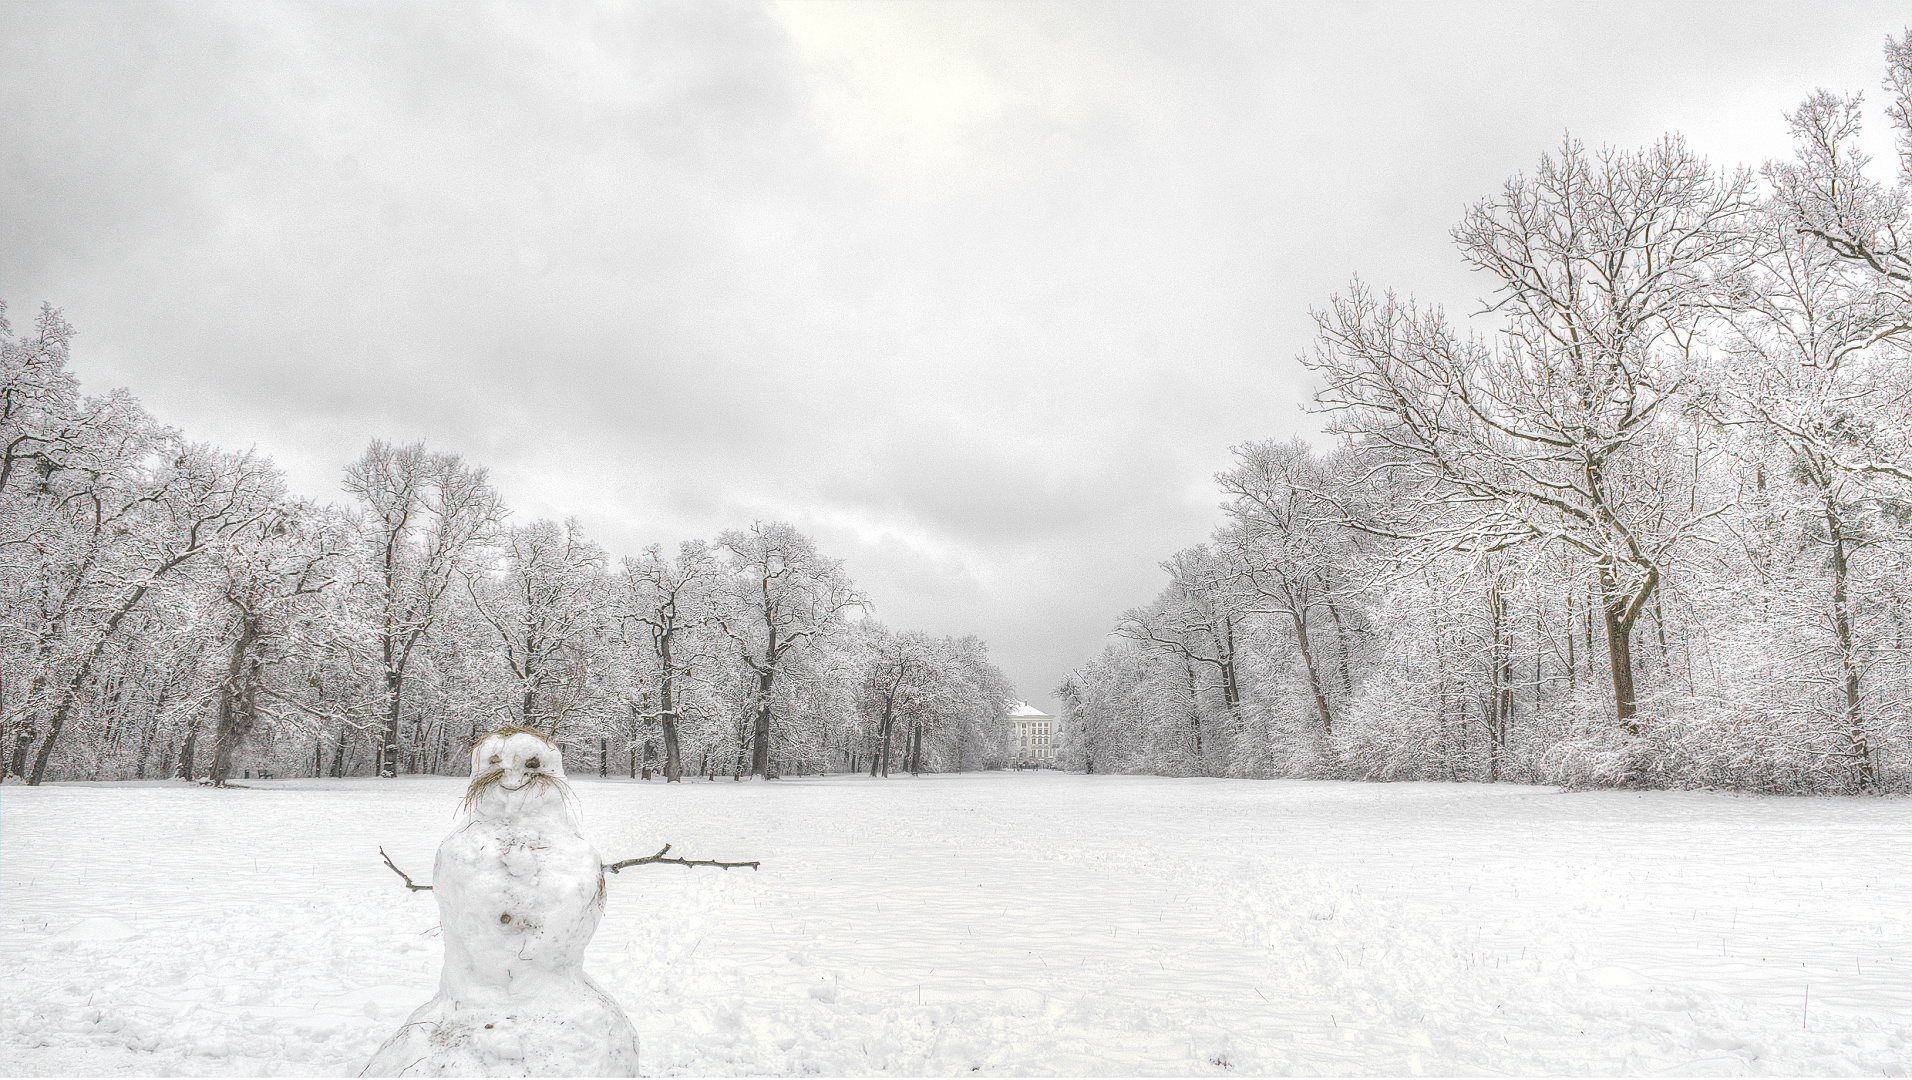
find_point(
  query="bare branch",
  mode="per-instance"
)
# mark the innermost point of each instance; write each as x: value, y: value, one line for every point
x: 659, y: 858
x: 403, y: 874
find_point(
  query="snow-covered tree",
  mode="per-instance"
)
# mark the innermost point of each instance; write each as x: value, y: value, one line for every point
x: 1826, y: 193
x: 1607, y: 267
x: 269, y: 578
x: 786, y: 596
x: 666, y: 615
x: 545, y: 600
x: 423, y: 518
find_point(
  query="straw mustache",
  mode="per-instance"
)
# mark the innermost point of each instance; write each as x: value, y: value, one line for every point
x: 484, y: 782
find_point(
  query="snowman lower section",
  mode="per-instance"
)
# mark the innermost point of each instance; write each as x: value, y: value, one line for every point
x: 564, y: 1027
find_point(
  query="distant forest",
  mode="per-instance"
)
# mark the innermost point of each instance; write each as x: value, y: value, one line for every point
x: 168, y: 610
x: 1643, y: 519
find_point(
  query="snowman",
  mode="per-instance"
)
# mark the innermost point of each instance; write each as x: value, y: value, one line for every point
x: 520, y: 893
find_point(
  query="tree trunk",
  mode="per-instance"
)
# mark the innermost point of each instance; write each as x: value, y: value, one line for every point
x: 22, y: 743
x: 1540, y: 660
x: 1862, y: 767
x: 667, y: 712
x: 1296, y: 613
x: 152, y: 735
x: 1573, y: 673
x: 1195, y: 719
x: 1440, y: 692
x: 1341, y: 652
x: 760, y: 736
x: 188, y: 750
x: 226, y: 736
x: 388, y: 746
x: 1231, y: 688
x: 1586, y: 619
x: 1499, y: 710
x: 1659, y: 629
x: 46, y: 744
x: 236, y: 701
x: 673, y: 757
x: 881, y: 759
x: 1619, y: 651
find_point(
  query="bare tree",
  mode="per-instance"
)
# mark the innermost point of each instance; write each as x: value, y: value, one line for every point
x: 1608, y: 267
x: 544, y: 602
x: 671, y: 599
x: 977, y: 707
x: 268, y: 577
x: 787, y: 594
x: 132, y: 536
x: 1292, y: 553
x: 1825, y: 192
x: 1817, y: 370
x: 424, y: 516
x: 899, y: 679
x: 1197, y: 621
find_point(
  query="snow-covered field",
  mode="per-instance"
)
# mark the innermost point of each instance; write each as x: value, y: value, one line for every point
x: 1020, y: 924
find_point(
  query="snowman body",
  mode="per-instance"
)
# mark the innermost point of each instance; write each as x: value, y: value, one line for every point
x: 520, y: 892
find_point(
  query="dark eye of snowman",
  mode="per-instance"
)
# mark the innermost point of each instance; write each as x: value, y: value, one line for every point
x: 531, y: 763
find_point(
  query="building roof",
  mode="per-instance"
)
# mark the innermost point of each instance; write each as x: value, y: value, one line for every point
x: 1022, y: 710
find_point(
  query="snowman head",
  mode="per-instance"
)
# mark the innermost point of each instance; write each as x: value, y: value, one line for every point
x: 519, y: 764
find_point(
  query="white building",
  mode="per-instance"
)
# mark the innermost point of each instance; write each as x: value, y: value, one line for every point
x: 1032, y: 736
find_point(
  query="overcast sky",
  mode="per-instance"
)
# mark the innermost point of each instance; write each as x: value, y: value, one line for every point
x: 977, y: 295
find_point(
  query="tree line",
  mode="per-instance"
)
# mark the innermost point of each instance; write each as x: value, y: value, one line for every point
x: 1644, y: 518
x: 168, y: 609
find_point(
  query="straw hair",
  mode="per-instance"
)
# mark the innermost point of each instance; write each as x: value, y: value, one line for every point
x: 513, y: 729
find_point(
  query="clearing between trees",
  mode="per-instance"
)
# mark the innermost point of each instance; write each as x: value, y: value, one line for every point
x: 997, y: 924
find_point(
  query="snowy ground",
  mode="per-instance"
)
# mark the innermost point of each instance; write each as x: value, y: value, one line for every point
x: 1020, y: 924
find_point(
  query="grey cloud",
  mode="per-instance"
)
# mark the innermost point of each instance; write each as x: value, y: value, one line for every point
x: 613, y: 252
